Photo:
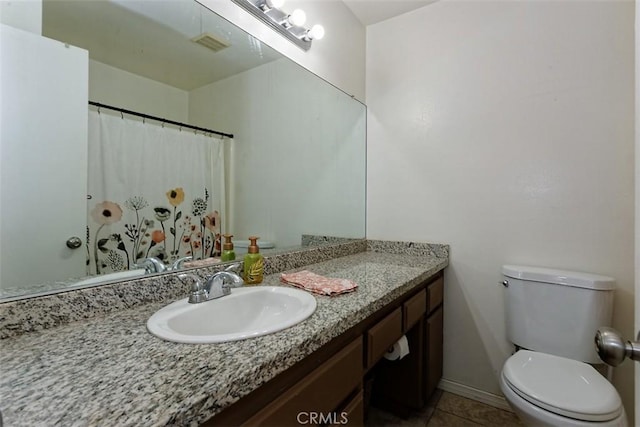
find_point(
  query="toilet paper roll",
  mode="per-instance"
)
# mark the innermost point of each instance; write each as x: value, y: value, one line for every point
x: 399, y: 350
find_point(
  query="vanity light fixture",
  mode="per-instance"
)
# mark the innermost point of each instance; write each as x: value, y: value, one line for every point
x: 273, y: 3
x: 297, y: 17
x: 288, y: 25
x: 315, y: 33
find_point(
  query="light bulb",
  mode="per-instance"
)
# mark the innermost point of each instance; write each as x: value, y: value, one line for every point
x: 297, y: 17
x: 316, y: 32
x: 275, y: 3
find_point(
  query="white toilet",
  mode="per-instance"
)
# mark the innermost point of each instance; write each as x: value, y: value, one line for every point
x: 552, y: 317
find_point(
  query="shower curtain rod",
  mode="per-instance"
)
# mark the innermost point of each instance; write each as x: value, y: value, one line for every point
x: 160, y: 119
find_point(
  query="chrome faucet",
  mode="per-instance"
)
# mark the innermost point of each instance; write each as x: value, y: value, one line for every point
x: 216, y: 286
x: 235, y: 268
x: 177, y: 264
x: 152, y: 265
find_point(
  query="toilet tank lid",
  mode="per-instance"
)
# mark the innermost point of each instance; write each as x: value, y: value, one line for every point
x: 559, y: 277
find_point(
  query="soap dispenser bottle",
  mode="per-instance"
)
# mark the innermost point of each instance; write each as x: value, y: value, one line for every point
x: 253, y: 263
x: 228, y: 253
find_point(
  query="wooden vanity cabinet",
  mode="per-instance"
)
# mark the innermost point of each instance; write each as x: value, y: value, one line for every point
x: 319, y: 394
x: 433, y: 351
x: 353, y: 412
x: 404, y: 385
x: 383, y: 335
x: 414, y: 309
x: 326, y: 388
x: 434, y: 337
x: 326, y: 383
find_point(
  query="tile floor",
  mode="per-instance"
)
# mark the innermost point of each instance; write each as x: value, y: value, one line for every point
x: 447, y: 410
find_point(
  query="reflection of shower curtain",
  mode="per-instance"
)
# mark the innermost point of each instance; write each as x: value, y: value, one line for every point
x: 153, y: 192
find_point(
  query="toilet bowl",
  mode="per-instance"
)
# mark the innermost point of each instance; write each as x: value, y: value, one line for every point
x: 548, y: 390
x: 552, y: 317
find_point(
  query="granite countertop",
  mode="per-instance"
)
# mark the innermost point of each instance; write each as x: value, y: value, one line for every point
x: 109, y: 370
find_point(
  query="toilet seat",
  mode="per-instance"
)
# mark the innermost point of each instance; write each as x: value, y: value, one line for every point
x: 563, y: 386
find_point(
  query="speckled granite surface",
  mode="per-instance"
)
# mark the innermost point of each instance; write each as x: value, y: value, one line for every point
x: 108, y: 370
x: 33, y: 314
x: 314, y: 240
x: 409, y: 248
x: 8, y: 294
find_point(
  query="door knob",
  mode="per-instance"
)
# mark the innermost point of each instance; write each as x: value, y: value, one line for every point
x: 74, y: 242
x: 612, y: 348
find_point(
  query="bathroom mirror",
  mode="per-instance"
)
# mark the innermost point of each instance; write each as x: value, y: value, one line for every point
x: 296, y: 164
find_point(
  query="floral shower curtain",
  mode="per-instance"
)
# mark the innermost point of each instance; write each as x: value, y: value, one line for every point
x: 154, y: 191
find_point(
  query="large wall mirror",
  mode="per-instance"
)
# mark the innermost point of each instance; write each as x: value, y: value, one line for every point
x: 295, y: 165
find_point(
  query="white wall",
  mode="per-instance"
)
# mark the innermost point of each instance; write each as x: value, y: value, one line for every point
x: 506, y: 130
x: 113, y: 86
x: 23, y: 14
x: 308, y: 179
x: 338, y: 58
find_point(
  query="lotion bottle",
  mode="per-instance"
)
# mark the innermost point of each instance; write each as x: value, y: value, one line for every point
x: 253, y: 263
x: 228, y: 253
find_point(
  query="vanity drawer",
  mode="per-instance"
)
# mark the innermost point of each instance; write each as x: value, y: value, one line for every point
x: 319, y: 392
x: 383, y: 335
x: 435, y: 293
x: 413, y: 309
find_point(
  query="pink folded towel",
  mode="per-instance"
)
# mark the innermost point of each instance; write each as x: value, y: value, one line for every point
x: 318, y: 284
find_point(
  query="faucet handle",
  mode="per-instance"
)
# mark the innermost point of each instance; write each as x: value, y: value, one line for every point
x: 151, y: 265
x: 177, y: 264
x: 220, y: 284
x: 234, y: 268
x: 198, y: 294
x: 236, y: 278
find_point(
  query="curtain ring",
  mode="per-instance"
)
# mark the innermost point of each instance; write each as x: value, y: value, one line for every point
x: 121, y: 115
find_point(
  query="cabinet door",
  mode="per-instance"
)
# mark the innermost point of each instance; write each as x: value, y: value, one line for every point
x: 318, y: 395
x: 43, y: 158
x: 433, y: 351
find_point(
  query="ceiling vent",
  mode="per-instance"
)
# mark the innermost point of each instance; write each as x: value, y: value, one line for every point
x: 210, y: 41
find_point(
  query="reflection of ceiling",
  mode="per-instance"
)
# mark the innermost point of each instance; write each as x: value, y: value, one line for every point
x: 135, y: 36
x: 372, y: 11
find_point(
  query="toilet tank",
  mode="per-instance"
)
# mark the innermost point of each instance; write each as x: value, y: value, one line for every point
x: 556, y: 311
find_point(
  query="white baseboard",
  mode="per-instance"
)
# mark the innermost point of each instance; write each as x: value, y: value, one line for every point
x: 474, y: 394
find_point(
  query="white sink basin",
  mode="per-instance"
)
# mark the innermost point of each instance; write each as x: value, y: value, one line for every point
x: 246, y: 313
